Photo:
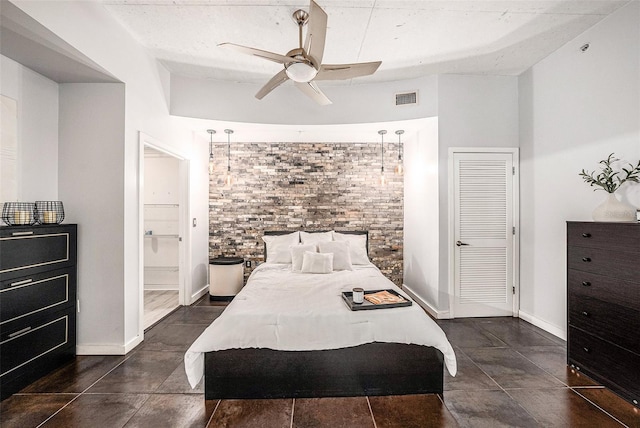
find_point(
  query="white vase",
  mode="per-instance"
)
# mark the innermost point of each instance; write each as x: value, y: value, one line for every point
x: 614, y: 210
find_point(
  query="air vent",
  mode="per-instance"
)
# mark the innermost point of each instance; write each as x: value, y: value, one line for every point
x: 406, y: 98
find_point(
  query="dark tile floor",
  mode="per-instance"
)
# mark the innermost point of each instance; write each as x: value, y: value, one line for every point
x: 510, y: 374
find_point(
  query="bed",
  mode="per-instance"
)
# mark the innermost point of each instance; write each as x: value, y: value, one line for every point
x: 290, y: 334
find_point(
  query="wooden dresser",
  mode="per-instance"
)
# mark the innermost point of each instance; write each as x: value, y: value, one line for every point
x: 37, y: 302
x: 603, y: 297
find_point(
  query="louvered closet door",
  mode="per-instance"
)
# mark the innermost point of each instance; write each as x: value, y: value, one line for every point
x: 483, y: 234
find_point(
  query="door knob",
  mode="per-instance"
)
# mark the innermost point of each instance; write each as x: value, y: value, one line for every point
x: 458, y: 243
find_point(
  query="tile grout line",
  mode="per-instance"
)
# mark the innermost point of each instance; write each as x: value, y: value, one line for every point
x: 83, y: 391
x: 496, y: 382
x: 534, y: 329
x: 565, y: 384
x: 293, y: 409
x: 59, y: 410
x: 137, y: 410
x: 373, y: 418
x: 213, y: 413
x: 600, y: 408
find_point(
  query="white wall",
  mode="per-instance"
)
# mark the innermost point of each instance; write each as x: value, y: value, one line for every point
x: 421, y: 217
x: 575, y: 109
x: 37, y: 101
x: 473, y: 111
x: 199, y: 184
x: 161, y: 179
x: 88, y: 27
x: 357, y: 103
x: 91, y: 185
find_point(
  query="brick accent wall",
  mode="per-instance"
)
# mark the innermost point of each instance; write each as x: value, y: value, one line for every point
x: 306, y: 186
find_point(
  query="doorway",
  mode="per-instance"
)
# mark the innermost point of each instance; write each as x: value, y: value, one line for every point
x: 483, y: 247
x: 162, y: 194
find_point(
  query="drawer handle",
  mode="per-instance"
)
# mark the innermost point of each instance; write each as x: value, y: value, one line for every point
x: 585, y: 313
x: 26, y: 281
x: 586, y: 259
x: 586, y: 235
x: 586, y: 283
x: 22, y: 233
x: 587, y: 350
x: 19, y: 332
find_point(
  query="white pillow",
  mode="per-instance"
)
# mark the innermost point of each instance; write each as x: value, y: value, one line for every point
x: 357, y: 247
x: 317, y: 262
x: 278, y: 247
x: 297, y: 254
x: 341, y: 254
x: 315, y: 238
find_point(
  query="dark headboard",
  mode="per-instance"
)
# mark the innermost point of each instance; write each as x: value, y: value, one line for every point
x: 346, y: 232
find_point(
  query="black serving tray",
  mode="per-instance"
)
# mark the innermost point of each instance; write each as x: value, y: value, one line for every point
x: 347, y: 296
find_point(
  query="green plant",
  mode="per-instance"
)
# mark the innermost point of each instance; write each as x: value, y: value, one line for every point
x: 610, y: 180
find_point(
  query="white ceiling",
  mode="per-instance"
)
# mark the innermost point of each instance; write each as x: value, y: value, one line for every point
x: 411, y: 37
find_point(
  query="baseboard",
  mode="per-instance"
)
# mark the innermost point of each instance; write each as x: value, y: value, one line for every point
x: 100, y: 350
x: 550, y: 328
x: 440, y: 315
x: 133, y: 343
x: 108, y: 349
x: 198, y: 294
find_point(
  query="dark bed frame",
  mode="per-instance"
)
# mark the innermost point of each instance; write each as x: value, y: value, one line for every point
x: 369, y: 369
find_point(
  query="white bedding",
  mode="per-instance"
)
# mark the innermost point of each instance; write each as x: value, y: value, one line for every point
x: 292, y: 311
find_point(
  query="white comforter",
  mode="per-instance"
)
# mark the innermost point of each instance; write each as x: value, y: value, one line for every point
x: 288, y: 311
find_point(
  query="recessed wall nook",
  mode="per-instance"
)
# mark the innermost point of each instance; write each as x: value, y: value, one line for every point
x: 306, y: 186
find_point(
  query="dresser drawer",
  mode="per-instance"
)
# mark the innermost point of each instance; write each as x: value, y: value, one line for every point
x: 614, y: 323
x: 36, y: 249
x: 610, y: 236
x: 613, y: 366
x: 25, y: 341
x: 618, y: 264
x: 604, y: 288
x: 30, y: 295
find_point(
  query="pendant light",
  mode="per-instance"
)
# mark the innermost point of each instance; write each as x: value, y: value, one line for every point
x: 228, y: 179
x: 399, y: 170
x: 211, y: 132
x: 382, y: 180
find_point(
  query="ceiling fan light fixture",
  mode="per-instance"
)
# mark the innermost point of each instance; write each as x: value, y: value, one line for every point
x: 301, y: 72
x: 303, y: 64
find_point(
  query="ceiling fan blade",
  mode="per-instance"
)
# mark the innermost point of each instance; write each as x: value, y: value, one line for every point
x: 280, y: 59
x: 312, y: 91
x: 346, y: 71
x: 275, y: 81
x: 316, y: 33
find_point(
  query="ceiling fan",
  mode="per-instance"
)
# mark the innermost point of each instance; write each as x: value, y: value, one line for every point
x: 304, y: 65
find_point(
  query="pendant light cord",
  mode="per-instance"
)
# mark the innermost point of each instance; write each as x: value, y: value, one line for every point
x: 382, y: 132
x: 228, y: 132
x: 400, y: 148
x: 211, y: 132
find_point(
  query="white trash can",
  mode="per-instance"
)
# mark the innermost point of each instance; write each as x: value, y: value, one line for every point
x: 226, y: 277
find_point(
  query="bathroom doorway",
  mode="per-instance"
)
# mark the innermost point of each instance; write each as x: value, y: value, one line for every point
x: 163, y: 193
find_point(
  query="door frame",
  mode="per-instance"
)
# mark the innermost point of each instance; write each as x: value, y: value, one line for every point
x: 514, y: 151
x: 184, y: 247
